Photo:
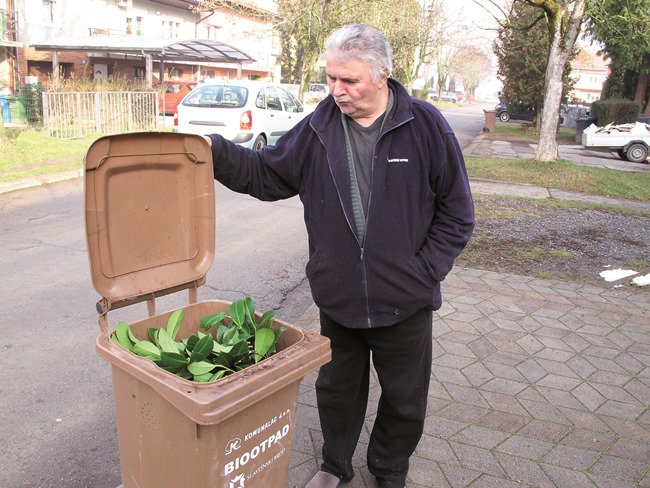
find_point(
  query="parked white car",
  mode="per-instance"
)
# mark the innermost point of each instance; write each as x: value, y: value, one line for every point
x: 250, y: 113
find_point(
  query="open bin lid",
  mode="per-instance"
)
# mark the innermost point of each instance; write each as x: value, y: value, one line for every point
x: 150, y: 212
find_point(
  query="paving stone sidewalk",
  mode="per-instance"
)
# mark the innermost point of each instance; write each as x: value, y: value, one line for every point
x: 485, y: 146
x: 535, y: 383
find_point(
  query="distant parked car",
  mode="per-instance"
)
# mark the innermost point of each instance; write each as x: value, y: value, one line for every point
x: 447, y: 96
x: 250, y: 113
x: 521, y: 112
x: 174, y: 92
x: 319, y: 89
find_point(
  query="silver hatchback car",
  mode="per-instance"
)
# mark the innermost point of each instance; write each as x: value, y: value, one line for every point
x: 250, y: 113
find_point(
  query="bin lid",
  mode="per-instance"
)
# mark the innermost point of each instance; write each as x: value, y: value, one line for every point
x: 149, y: 212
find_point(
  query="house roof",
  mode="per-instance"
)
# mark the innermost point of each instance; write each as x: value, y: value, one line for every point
x: 162, y: 49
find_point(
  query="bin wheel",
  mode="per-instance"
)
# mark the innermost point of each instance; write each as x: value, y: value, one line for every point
x: 637, y: 153
x: 622, y: 154
x: 504, y: 116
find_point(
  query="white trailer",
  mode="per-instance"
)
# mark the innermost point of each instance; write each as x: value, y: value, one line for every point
x: 630, y: 141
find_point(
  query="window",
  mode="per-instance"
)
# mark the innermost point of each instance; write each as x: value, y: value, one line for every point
x: 138, y: 24
x: 139, y: 73
x: 272, y: 99
x: 207, y: 74
x: 290, y: 103
x: 48, y: 11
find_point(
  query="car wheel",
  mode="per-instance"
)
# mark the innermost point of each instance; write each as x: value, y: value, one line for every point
x: 637, y: 153
x: 259, y: 143
x: 504, y: 116
x: 621, y: 154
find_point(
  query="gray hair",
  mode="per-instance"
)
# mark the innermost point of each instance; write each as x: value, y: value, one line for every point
x: 365, y: 43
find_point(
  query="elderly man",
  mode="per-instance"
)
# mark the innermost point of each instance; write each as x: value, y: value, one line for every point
x: 388, y: 208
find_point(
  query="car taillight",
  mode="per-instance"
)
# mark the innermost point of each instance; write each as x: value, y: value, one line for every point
x: 246, y: 121
x: 176, y: 118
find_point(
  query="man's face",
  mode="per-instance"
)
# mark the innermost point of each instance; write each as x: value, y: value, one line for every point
x: 350, y: 83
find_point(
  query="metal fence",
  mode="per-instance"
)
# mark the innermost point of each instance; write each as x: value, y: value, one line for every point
x: 70, y: 115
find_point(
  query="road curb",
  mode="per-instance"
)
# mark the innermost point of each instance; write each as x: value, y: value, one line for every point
x: 24, y: 183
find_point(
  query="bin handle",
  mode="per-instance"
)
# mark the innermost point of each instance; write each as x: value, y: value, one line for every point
x: 105, y: 305
x: 190, y: 155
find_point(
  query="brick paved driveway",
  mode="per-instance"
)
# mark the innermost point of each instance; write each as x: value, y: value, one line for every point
x: 535, y: 383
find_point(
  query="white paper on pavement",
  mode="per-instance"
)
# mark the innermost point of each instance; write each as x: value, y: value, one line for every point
x: 617, y: 274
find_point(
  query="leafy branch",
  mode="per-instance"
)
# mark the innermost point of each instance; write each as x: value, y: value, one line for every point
x: 231, y: 342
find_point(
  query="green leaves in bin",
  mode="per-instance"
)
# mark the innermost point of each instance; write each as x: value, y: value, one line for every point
x: 147, y: 349
x: 224, y: 344
x: 264, y: 340
x: 123, y: 336
x: 174, y: 323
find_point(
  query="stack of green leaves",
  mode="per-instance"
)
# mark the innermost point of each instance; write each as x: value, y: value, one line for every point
x: 231, y: 342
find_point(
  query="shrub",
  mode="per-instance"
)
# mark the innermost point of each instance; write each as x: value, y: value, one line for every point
x: 615, y: 111
x: 421, y: 94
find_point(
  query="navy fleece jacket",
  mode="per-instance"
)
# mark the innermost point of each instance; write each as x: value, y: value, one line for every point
x: 420, y: 213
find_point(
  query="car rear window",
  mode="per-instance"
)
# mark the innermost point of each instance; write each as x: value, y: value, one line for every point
x: 225, y: 96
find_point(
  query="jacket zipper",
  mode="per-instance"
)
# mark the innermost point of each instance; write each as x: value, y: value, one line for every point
x: 365, y: 289
x: 361, y: 244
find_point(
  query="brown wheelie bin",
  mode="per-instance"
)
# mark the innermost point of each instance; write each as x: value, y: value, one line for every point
x: 150, y: 225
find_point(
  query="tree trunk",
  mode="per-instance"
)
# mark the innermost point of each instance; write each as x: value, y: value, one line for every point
x: 547, y: 149
x: 561, y: 46
x: 641, y: 87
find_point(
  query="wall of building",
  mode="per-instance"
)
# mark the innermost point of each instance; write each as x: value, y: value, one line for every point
x: 41, y: 21
x: 590, y: 71
x: 8, y: 27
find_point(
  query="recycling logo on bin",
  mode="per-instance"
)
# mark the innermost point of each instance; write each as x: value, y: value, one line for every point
x: 261, y: 444
x: 238, y: 482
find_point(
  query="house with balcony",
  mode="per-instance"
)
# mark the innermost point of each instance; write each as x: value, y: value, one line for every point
x: 589, y: 71
x: 146, y: 40
x: 8, y: 47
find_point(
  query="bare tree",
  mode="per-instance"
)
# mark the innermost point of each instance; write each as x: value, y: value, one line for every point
x: 445, y: 61
x: 431, y: 34
x: 414, y: 30
x: 303, y: 26
x: 449, y: 37
x: 398, y: 21
x: 472, y: 67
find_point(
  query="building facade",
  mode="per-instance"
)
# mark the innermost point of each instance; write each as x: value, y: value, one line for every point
x: 589, y: 71
x: 36, y: 22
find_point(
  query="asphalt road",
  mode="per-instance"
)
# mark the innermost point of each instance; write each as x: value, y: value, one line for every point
x: 57, y: 422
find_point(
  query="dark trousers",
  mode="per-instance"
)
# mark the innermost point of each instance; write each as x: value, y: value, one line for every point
x: 401, y: 355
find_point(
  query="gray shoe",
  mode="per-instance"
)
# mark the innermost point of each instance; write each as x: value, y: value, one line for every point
x: 323, y: 480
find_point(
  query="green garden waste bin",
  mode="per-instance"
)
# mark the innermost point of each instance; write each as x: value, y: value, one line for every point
x: 150, y: 231
x: 17, y: 107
